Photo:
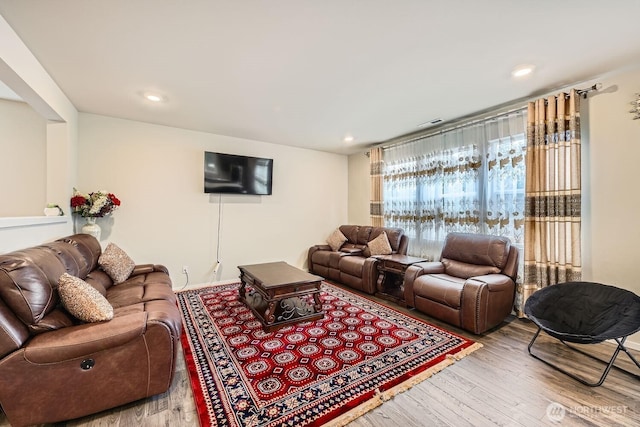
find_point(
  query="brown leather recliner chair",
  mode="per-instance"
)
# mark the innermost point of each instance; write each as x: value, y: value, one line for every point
x: 472, y: 286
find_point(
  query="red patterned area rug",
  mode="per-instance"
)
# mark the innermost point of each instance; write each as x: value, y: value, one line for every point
x: 328, y: 371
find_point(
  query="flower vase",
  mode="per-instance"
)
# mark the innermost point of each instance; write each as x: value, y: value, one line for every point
x: 92, y: 228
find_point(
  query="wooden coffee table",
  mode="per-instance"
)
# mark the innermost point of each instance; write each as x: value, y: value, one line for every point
x: 280, y: 294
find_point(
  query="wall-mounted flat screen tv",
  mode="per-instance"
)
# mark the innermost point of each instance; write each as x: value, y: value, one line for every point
x: 230, y: 173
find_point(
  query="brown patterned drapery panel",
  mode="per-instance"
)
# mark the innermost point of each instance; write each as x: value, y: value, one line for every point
x: 552, y: 251
x: 375, y: 206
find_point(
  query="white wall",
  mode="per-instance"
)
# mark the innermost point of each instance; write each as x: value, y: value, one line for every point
x: 21, y: 71
x: 23, y: 232
x: 614, y: 154
x: 166, y: 218
x: 23, y: 139
x: 359, y: 194
x: 611, y: 198
x: 613, y: 232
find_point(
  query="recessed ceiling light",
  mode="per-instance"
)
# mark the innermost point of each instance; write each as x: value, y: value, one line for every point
x: 522, y: 70
x: 348, y: 138
x: 153, y: 97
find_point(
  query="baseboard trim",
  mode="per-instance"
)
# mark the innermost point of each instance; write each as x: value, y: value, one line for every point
x: 204, y: 285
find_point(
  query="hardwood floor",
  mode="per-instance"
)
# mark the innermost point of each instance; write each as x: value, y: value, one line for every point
x: 499, y: 384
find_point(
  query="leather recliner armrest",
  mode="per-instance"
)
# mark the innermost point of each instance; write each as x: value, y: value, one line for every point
x: 413, y: 272
x: 148, y: 268
x: 370, y: 275
x: 486, y: 301
x: 77, y: 341
x: 313, y: 249
x: 142, y: 269
x: 495, y: 282
x: 161, y: 268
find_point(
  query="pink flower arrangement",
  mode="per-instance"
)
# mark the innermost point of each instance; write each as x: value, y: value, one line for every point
x: 96, y: 204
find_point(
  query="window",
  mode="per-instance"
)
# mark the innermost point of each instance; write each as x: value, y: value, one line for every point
x: 468, y: 179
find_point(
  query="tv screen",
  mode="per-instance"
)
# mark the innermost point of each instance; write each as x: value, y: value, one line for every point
x: 230, y: 173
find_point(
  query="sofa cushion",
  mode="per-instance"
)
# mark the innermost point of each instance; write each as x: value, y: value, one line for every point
x: 27, y: 281
x: 88, y: 246
x: 364, y: 235
x: 82, y: 300
x: 334, y: 259
x: 465, y: 270
x: 352, y: 265
x: 137, y: 291
x: 336, y: 239
x: 99, y: 280
x: 380, y: 245
x: 116, y: 263
x: 351, y: 233
x: 74, y: 262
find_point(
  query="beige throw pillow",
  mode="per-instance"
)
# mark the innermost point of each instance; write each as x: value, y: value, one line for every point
x: 336, y: 240
x: 380, y: 245
x: 82, y: 300
x: 116, y: 263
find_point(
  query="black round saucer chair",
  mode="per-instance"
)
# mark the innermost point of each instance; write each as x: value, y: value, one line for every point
x: 585, y: 313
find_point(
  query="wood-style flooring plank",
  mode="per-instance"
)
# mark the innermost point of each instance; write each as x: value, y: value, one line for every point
x: 498, y: 384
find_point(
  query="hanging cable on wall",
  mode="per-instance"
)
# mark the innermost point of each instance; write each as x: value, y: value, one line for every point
x: 186, y: 283
x: 217, y: 264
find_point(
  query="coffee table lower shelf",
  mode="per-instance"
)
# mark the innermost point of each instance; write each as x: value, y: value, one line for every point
x: 287, y: 311
x: 280, y: 294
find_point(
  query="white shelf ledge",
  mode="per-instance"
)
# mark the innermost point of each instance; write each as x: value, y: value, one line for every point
x: 28, y: 221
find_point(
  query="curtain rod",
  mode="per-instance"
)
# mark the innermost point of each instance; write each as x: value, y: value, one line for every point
x: 584, y: 92
x: 466, y: 123
x: 473, y: 119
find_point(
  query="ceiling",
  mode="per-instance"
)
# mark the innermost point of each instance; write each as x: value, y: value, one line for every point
x: 308, y: 73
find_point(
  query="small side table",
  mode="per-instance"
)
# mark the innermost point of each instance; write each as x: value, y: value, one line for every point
x: 391, y: 280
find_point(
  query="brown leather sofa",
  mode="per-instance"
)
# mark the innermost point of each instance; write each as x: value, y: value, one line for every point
x: 472, y: 286
x: 352, y: 264
x: 54, y: 367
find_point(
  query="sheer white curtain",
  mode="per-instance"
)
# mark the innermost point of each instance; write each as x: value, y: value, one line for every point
x: 469, y: 179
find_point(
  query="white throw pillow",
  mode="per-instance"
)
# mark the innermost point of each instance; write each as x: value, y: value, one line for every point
x: 82, y: 300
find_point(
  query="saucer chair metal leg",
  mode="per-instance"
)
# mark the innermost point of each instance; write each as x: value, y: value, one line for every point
x: 581, y: 380
x: 628, y: 353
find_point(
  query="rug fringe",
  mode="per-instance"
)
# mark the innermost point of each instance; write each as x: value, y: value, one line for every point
x: 379, y: 398
x: 466, y: 351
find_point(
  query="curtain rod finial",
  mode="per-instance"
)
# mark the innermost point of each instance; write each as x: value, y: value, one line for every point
x: 596, y: 87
